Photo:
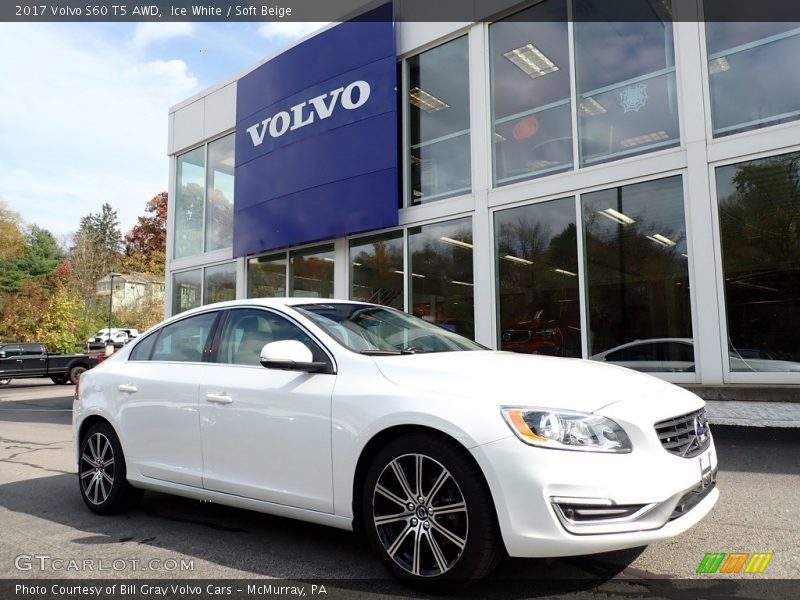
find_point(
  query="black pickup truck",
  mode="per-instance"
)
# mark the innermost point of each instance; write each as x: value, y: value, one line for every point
x: 23, y: 361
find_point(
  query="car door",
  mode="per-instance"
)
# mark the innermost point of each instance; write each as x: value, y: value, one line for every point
x: 11, y: 363
x: 34, y: 359
x: 266, y: 433
x: 156, y: 391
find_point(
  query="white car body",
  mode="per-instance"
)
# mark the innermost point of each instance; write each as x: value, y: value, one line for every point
x: 289, y: 443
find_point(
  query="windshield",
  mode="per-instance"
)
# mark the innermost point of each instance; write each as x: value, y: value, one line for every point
x: 378, y: 330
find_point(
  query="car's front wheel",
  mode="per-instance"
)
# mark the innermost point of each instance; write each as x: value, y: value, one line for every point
x: 102, y: 474
x: 427, y: 512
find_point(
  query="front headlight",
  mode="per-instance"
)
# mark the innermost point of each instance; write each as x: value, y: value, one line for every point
x: 566, y: 430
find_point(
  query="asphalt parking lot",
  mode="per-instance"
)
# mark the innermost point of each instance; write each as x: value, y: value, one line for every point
x: 42, y: 515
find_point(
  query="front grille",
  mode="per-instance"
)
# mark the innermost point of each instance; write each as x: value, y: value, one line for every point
x: 687, y: 435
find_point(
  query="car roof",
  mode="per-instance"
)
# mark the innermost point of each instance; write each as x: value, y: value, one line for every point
x: 266, y: 302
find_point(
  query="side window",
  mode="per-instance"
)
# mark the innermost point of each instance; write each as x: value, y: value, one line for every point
x: 29, y: 349
x: 184, y: 341
x: 677, y: 351
x: 14, y: 350
x: 636, y: 353
x: 248, y: 330
x: 144, y: 349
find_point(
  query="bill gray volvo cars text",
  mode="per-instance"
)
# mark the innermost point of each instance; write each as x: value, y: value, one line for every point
x: 446, y: 455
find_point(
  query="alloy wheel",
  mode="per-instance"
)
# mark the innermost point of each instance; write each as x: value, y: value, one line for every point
x: 97, y: 468
x: 420, y: 515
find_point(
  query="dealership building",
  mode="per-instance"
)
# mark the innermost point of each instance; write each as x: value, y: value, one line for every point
x: 542, y: 181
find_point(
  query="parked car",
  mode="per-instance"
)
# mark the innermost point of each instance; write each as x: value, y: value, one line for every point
x: 25, y: 361
x: 532, y: 337
x: 119, y: 337
x: 666, y: 355
x: 444, y: 454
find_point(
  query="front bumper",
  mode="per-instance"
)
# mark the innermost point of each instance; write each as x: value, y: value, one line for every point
x: 566, y: 503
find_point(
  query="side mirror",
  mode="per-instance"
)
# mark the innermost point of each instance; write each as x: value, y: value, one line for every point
x: 290, y: 355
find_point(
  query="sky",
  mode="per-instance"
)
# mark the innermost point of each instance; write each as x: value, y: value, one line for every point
x: 84, y: 107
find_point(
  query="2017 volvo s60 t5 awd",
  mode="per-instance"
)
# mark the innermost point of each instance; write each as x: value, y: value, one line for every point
x: 445, y: 454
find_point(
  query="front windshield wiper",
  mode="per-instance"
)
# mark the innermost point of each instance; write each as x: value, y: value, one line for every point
x: 388, y: 352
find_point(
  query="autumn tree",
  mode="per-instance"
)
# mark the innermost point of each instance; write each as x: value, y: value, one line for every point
x: 146, y: 243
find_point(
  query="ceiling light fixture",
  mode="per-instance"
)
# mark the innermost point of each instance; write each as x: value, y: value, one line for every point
x: 647, y: 138
x: 531, y: 60
x: 517, y: 259
x: 617, y: 216
x: 426, y: 101
x: 458, y: 243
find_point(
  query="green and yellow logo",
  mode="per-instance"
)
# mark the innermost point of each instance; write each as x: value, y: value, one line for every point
x: 735, y: 562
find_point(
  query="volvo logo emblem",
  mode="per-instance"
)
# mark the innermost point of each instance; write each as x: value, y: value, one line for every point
x: 700, y: 429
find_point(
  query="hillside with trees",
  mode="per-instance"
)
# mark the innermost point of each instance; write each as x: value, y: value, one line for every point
x: 49, y: 294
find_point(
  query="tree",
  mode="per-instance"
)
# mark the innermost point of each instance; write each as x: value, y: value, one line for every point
x: 95, y: 251
x: 146, y: 243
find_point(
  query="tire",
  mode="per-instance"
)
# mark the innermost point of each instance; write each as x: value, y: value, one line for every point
x: 5, y: 381
x: 102, y: 474
x: 75, y: 373
x: 59, y: 379
x: 422, y: 546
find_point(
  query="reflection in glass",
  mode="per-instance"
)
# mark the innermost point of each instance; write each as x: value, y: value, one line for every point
x: 186, y: 288
x: 376, y: 270
x: 190, y: 187
x: 759, y: 220
x: 220, y: 283
x: 537, y: 279
x: 753, y: 74
x: 531, y: 93
x: 636, y: 265
x: 626, y: 81
x: 439, y: 122
x: 266, y: 277
x: 441, y: 275
x: 219, y: 209
x: 311, y: 273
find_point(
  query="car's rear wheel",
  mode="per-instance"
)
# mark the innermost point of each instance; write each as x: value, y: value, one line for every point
x: 102, y: 474
x: 427, y: 512
x: 75, y: 373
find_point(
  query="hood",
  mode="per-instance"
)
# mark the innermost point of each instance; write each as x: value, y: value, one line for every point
x: 508, y: 378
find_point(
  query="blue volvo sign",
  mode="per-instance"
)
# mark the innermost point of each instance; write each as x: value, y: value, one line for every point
x: 316, y: 139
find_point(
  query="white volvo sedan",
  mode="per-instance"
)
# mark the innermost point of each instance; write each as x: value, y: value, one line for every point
x: 446, y: 455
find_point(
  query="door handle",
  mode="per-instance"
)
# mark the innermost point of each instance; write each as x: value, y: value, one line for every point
x: 219, y: 398
x: 128, y: 388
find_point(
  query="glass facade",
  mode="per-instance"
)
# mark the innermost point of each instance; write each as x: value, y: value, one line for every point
x: 189, y: 203
x: 536, y: 256
x: 438, y: 117
x: 187, y: 289
x: 219, y: 283
x: 204, y: 204
x: 376, y: 270
x: 219, y: 201
x: 441, y: 279
x: 266, y: 276
x: 531, y: 95
x: 625, y: 73
x: 759, y: 223
x: 585, y: 253
x: 311, y: 272
x: 637, y: 270
x: 755, y: 64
